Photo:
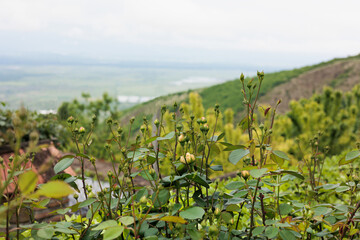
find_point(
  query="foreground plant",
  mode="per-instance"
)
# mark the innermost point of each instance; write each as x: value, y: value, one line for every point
x: 267, y: 199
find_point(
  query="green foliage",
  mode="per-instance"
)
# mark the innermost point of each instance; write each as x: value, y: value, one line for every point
x: 331, y: 119
x: 273, y: 196
x: 229, y: 93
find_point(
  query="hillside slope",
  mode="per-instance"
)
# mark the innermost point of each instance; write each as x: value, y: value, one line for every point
x: 341, y: 73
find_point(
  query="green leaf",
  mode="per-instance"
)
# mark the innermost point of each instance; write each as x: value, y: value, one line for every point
x: 236, y: 155
x: 329, y: 186
x: 113, y: 232
x: 342, y: 189
x: 192, y: 213
x: 65, y: 230
x: 281, y: 154
x: 271, y: 232
x: 278, y: 157
x: 43, y: 202
x: 87, y: 202
x: 285, y: 208
x: 127, y: 220
x: 174, y: 219
x: 104, y: 225
x: 321, y: 211
x: 167, y: 136
x: 217, y: 168
x: 63, y: 164
x: 151, y: 238
x: 66, y: 156
x: 46, y: 232
x: 257, y: 173
x: 244, y: 123
x: 226, y: 216
x: 235, y: 185
x: 83, y: 155
x: 161, y: 199
x: 295, y: 174
x: 55, y: 189
x: 258, y: 230
x: 198, y: 179
x: 151, y: 232
x: 195, y: 235
x: 352, y: 155
x: 63, y: 211
x: 146, y: 175
x: 233, y: 208
x: 221, y: 136
x: 151, y: 140
x: 27, y: 182
x: 287, y: 235
x: 142, y: 192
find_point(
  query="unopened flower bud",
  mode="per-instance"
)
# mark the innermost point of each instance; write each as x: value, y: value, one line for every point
x: 151, y: 171
x: 82, y: 130
x: 93, y: 118
x: 203, y: 120
x: 242, y: 77
x: 182, y: 159
x: 132, y: 120
x: 157, y: 123
x: 188, y: 157
x: 142, y: 128
x: 217, y: 212
x: 181, y: 138
x: 163, y: 109
x: 70, y: 120
x: 109, y: 121
x: 143, y: 200
x: 34, y: 136
x: 245, y: 174
x: 179, y: 127
x: 213, y: 231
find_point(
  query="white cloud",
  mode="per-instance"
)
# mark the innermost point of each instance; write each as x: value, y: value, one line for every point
x: 272, y: 26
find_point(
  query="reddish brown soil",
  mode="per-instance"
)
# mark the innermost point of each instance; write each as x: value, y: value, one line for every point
x: 305, y: 85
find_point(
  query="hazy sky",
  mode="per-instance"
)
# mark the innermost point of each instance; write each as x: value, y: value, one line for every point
x: 276, y: 33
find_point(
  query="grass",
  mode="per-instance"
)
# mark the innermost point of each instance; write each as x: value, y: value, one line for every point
x: 229, y: 93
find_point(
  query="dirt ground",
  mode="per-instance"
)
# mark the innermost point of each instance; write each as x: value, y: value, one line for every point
x: 305, y: 85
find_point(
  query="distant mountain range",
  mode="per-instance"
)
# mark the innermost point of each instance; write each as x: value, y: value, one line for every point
x: 59, y: 59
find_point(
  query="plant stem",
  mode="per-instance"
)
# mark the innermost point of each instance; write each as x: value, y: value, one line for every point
x: 252, y: 209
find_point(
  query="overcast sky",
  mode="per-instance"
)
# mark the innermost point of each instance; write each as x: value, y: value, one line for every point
x: 277, y: 33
